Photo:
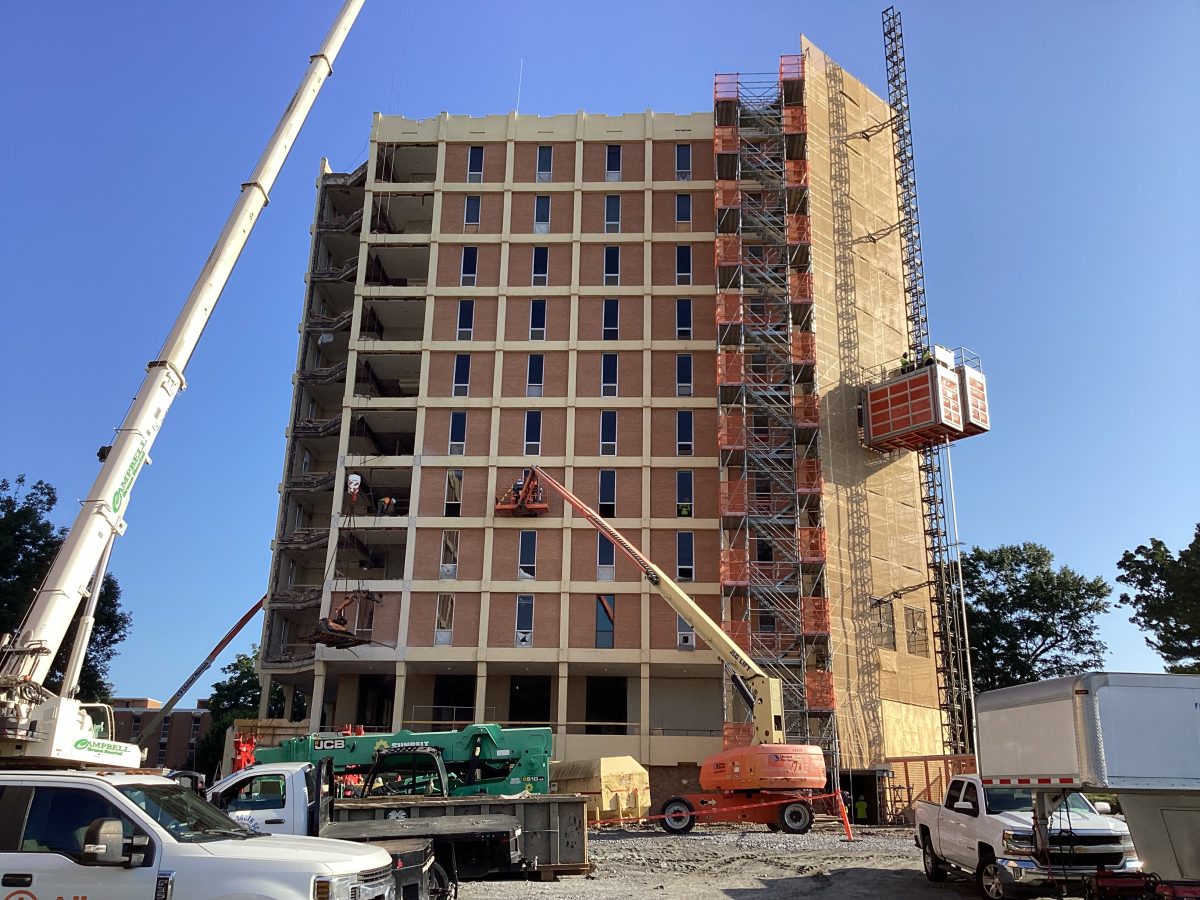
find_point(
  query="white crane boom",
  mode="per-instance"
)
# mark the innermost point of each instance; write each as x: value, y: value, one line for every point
x: 29, y: 714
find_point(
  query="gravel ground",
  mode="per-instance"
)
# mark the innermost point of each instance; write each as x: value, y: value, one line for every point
x: 732, y: 863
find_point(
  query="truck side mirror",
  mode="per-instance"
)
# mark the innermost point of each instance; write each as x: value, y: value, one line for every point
x: 965, y: 806
x: 1103, y: 807
x: 104, y: 843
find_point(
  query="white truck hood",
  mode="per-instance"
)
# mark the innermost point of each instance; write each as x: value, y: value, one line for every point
x: 339, y: 857
x: 1079, y: 822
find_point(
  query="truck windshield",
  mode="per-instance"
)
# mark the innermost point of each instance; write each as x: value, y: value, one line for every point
x: 185, y: 816
x: 406, y: 773
x: 1017, y: 800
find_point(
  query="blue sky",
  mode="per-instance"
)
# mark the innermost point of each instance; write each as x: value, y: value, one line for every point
x: 1056, y: 158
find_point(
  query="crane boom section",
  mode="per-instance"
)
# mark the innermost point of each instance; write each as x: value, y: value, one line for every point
x: 27, y: 658
x: 764, y: 695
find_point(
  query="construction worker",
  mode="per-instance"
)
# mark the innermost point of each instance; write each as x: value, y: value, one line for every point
x: 905, y: 362
x: 927, y: 358
x: 386, y: 506
x: 860, y: 809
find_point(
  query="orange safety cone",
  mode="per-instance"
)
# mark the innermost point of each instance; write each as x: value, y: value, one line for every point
x: 845, y: 817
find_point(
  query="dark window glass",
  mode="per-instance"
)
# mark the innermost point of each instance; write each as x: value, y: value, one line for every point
x: 537, y: 367
x: 683, y: 374
x: 683, y: 207
x: 683, y: 432
x: 470, y: 263
x: 537, y: 320
x: 541, y: 210
x: 471, y: 217
x: 612, y: 158
x: 611, y: 319
x: 605, y: 620
x: 462, y: 374
x: 612, y: 265
x: 683, y: 158
x: 533, y: 431
x: 545, y: 157
x: 527, y: 555
x: 466, y: 319
x: 475, y: 164
x: 684, y: 502
x: 612, y: 213
x: 685, y: 555
x: 525, y: 610
x: 541, y: 264
x: 608, y: 432
x: 606, y: 551
x: 608, y: 375
x: 683, y: 264
x: 683, y: 319
x: 608, y: 492
x: 458, y: 426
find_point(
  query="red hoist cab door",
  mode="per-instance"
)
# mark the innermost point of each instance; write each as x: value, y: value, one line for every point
x: 913, y: 409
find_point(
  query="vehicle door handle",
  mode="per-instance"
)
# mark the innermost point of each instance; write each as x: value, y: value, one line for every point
x: 274, y: 821
x: 12, y: 879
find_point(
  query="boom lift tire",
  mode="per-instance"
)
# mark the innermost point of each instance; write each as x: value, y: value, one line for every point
x: 796, y: 818
x: 678, y: 816
x: 439, y: 883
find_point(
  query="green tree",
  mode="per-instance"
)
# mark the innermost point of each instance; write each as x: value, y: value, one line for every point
x: 1166, y: 599
x: 28, y: 543
x: 236, y: 697
x: 1028, y: 621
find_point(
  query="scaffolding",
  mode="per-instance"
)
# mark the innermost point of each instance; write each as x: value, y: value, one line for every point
x: 773, y: 551
x: 950, y: 640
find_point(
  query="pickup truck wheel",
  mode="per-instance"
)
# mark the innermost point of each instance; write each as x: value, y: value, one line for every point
x: 931, y: 862
x: 677, y: 816
x: 987, y: 879
x: 796, y: 818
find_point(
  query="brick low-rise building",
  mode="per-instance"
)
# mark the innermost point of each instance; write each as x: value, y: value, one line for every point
x: 178, y: 734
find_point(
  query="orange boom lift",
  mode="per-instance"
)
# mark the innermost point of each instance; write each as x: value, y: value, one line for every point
x: 768, y: 782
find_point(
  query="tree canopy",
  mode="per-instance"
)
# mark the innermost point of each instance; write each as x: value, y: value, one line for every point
x: 235, y: 697
x: 28, y: 543
x: 1027, y: 620
x: 1166, y: 599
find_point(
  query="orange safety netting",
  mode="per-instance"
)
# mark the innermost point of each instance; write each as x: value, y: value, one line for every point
x: 738, y: 631
x: 791, y: 67
x: 728, y: 249
x: 725, y: 139
x: 808, y: 476
x: 736, y: 734
x: 725, y: 87
x: 806, y: 409
x: 731, y: 431
x: 735, y: 566
x: 799, y: 230
x: 796, y: 172
x: 795, y: 120
x: 804, y: 347
x: 818, y: 689
x: 811, y: 543
x: 800, y: 286
x: 727, y: 195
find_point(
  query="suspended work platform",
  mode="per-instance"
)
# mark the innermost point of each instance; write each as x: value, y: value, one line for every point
x: 925, y: 403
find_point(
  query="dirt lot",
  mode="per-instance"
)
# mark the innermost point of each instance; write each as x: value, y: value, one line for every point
x: 734, y: 864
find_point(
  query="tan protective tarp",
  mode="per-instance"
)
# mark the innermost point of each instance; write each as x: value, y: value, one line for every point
x: 616, y: 787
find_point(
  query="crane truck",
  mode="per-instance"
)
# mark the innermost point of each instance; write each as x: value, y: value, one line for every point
x: 770, y: 781
x: 116, y: 831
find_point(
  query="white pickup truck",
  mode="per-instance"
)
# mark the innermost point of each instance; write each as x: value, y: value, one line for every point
x: 123, y: 836
x: 987, y: 832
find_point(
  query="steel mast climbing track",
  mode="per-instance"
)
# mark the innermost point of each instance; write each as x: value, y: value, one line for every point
x: 950, y: 642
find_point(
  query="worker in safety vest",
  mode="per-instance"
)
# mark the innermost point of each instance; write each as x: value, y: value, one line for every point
x: 927, y: 359
x: 905, y: 362
x: 860, y: 809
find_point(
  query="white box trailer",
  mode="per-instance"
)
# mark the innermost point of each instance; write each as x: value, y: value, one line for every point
x: 1135, y: 734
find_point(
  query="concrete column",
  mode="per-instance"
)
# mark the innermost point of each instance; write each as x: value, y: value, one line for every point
x: 644, y: 711
x: 264, y: 699
x: 560, y: 729
x: 318, y: 697
x: 480, y: 691
x: 289, y: 699
x: 398, y: 696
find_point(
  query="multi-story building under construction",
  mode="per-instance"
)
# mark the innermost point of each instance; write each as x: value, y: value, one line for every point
x: 676, y: 315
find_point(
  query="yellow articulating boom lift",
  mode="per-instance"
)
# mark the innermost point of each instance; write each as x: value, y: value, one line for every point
x: 769, y: 782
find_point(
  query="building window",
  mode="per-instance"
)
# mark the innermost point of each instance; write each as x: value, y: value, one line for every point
x: 462, y: 374
x: 449, y: 566
x: 612, y: 163
x: 683, y: 264
x: 683, y: 432
x: 612, y: 265
x: 466, y: 320
x: 685, y: 555
x: 607, y: 493
x: 608, y: 374
x: 535, y: 375
x: 612, y: 213
x: 471, y: 211
x: 470, y: 266
x: 683, y: 374
x: 541, y: 265
x: 136, y: 730
x: 683, y: 162
x: 364, y: 619
x: 608, y: 432
x: 524, y: 635
x: 683, y: 319
x: 533, y: 432
x: 537, y: 320
x: 683, y: 209
x: 475, y: 164
x: 527, y: 555
x: 443, y: 624
x: 606, y: 559
x: 606, y: 608
x: 458, y: 432
x: 454, y: 491
x: 610, y: 319
x: 541, y: 214
x: 684, y: 494
x: 545, y: 160
x: 685, y: 634
x: 885, y: 624
x: 915, y: 634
